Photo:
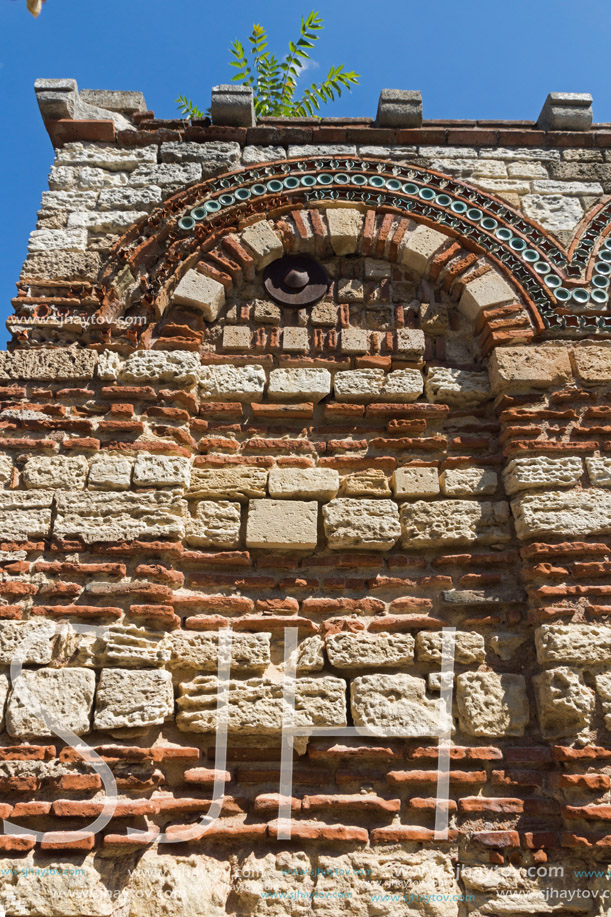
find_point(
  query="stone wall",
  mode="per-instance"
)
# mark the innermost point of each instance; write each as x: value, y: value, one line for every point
x: 426, y: 447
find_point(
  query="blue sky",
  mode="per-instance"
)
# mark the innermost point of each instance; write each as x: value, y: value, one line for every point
x: 474, y: 59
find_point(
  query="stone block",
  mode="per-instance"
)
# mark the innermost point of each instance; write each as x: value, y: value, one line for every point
x: 553, y: 211
x: 324, y: 314
x: 303, y: 483
x: 133, y: 699
x: 354, y: 340
x: 129, y: 645
x: 249, y: 652
x: 125, y: 101
x: 295, y: 340
x: 31, y: 642
x: 403, y: 385
x: 566, y: 111
x: 64, y: 694
x: 399, y: 108
x: 599, y: 471
x: 166, y: 175
x: 200, y: 292
x: 215, y: 524
x: 522, y: 369
x: 87, y: 178
x: 112, y: 516
x: 106, y: 156
x: 576, y: 644
x: 488, y: 290
x: 565, y: 704
x: 410, y: 343
x: 142, y: 199
x: 6, y: 470
x: 447, y: 522
x: 268, y: 313
x: 542, y: 471
x: 363, y: 650
x: 161, y: 471
x: 57, y: 99
x: 370, y: 483
x: 308, y: 657
x: 397, y: 705
x: 369, y: 524
x: 492, y: 704
x: 263, y: 242
x: 469, y: 481
x: 257, y: 706
x: 299, y: 384
x: 592, y: 364
x: 345, y: 228
x: 25, y: 516
x: 469, y: 647
x: 69, y: 201
x: 48, y: 365
x: 456, y: 387
x: 214, y: 157
x: 232, y: 105
x: 55, y: 472
x: 238, y: 482
x: 232, y: 383
x: 67, y: 240
x: 150, y: 366
x: 603, y: 689
x: 282, y: 525
x: 416, y: 481
x: 110, y: 472
x: 251, y: 155
x: 419, y: 247
x: 113, y: 222
x: 62, y: 266
x: 584, y: 512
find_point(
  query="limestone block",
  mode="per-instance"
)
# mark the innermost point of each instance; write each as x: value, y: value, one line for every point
x: 564, y: 703
x: 110, y: 472
x: 363, y: 650
x: 370, y: 524
x: 161, y: 471
x: 469, y: 481
x: 65, y: 694
x: 457, y: 387
x: 396, y: 705
x: 115, y: 516
x: 198, y: 885
x: 416, y: 481
x: 257, y: 706
x: 167, y: 175
x: 264, y: 243
x: 48, y: 365
x: 553, y: 211
x: 87, y: 178
x: 215, y: 524
x: 299, y: 384
x: 592, y: 189
x: 251, y: 155
x: 468, y: 647
x: 410, y: 343
x: 566, y: 111
x: 603, y: 689
x: 147, y: 366
x: 129, y: 645
x: 542, y: 471
x: 599, y: 471
x: 576, y: 644
x: 522, y: 369
x: 488, y: 290
x: 122, y: 199
x: 4, y: 692
x: 295, y: 340
x: 585, y: 512
x: 115, y: 159
x: 354, y: 340
x: 216, y: 156
x: 62, y: 265
x: 133, y: 699
x: 109, y: 366
x: 69, y: 201
x: 249, y: 652
x: 62, y: 890
x: 114, y: 222
x: 237, y: 482
x: 304, y: 483
x: 31, y: 642
x: 445, y: 522
x: 200, y: 292
x: 25, y: 515
x: 67, y: 240
x: 592, y: 364
x: 369, y: 483
x: 417, y: 249
x: 492, y: 704
x: 232, y: 383
x: 282, y: 525
x: 345, y: 228
x: 56, y: 472
x: 308, y: 657
x: 6, y: 470
x: 402, y: 385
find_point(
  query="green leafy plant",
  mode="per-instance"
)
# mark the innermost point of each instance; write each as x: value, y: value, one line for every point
x: 274, y: 81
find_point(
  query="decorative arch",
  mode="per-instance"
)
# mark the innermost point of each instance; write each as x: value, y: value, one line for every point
x: 564, y: 290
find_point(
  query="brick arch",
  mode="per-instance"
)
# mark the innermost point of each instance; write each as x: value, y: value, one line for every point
x: 145, y: 260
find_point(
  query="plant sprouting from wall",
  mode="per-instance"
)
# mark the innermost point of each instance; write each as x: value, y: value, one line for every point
x: 274, y: 81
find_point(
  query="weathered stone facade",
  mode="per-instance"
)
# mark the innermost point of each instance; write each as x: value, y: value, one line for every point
x: 426, y: 447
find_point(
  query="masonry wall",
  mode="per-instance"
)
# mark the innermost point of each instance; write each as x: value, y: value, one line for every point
x: 426, y: 447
